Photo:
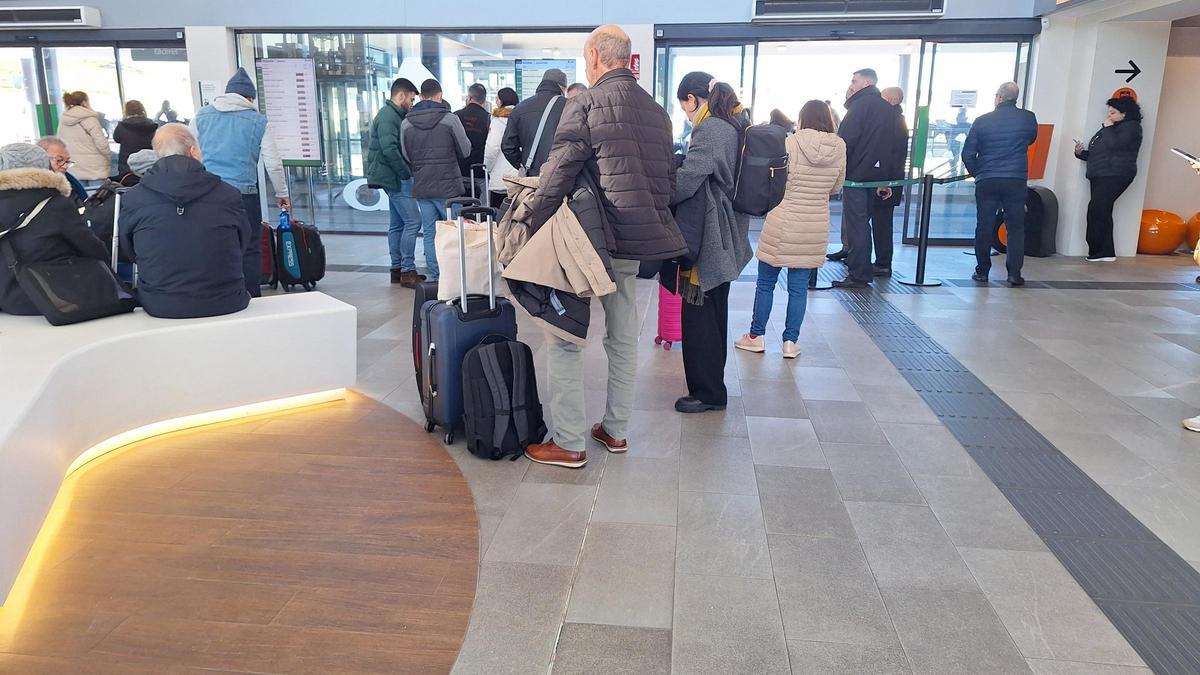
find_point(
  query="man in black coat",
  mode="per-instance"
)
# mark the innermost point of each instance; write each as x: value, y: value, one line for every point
x: 527, y: 116
x: 187, y: 232
x: 869, y: 130
x: 476, y: 121
x: 885, y: 200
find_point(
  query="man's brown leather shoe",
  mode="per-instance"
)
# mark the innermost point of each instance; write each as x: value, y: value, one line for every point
x: 613, y: 445
x: 550, y: 453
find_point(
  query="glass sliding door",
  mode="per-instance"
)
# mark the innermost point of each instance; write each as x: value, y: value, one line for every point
x: 92, y: 70
x: 733, y: 64
x: 19, y: 96
x: 159, y: 78
x: 962, y: 79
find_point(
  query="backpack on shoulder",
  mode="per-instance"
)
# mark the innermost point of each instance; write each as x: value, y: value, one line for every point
x: 503, y: 414
x: 762, y: 170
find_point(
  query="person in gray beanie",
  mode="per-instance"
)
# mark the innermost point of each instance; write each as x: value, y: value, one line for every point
x: 57, y: 232
x: 233, y: 135
x: 23, y: 156
x: 141, y: 161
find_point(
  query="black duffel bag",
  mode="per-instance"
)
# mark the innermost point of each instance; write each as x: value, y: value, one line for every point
x: 67, y: 291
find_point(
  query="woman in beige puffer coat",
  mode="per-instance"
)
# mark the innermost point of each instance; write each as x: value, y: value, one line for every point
x: 81, y: 130
x: 796, y: 232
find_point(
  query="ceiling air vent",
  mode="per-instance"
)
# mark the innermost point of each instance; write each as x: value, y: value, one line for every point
x: 24, y: 18
x: 846, y: 10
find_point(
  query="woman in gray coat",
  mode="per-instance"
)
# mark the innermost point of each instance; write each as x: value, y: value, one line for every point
x: 718, y: 238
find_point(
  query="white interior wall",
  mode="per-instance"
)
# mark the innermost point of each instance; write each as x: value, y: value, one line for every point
x: 1171, y: 184
x: 216, y: 43
x: 1074, y: 74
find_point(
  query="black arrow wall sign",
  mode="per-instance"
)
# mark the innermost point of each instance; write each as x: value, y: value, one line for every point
x: 1133, y: 71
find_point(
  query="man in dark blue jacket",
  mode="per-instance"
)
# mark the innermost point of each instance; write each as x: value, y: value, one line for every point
x: 996, y: 154
x: 187, y: 232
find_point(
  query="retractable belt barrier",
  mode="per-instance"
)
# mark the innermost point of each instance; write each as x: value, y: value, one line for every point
x: 927, y: 182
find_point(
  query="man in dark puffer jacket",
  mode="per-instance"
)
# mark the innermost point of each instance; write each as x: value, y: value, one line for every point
x: 187, y: 231
x: 996, y: 153
x: 615, y: 137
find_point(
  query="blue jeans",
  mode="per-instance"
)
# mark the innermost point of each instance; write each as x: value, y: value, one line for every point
x: 403, y: 226
x: 432, y: 210
x: 797, y: 285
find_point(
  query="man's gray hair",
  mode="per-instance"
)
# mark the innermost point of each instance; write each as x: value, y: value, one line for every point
x: 1009, y: 91
x: 612, y: 44
x: 173, y: 139
x: 48, y: 142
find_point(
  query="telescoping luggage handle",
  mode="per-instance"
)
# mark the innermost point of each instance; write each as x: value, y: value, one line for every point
x: 116, y: 238
x: 459, y: 201
x: 489, y: 214
x: 483, y: 167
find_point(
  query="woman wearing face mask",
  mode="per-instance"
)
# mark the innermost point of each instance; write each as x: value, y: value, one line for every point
x: 1111, y: 158
x: 718, y: 239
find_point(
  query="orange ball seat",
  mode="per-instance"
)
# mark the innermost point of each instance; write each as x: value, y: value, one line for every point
x: 1162, y: 232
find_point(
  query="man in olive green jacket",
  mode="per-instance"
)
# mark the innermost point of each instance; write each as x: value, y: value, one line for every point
x: 387, y: 170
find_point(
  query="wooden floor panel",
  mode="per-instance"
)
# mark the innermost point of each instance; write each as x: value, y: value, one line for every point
x: 336, y: 539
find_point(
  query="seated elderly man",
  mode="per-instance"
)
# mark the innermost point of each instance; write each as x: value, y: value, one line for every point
x: 186, y: 231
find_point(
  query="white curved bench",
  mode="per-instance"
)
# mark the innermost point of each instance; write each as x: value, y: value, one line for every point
x: 65, y: 390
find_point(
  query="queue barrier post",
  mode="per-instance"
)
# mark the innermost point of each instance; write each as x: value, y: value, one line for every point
x: 927, y: 183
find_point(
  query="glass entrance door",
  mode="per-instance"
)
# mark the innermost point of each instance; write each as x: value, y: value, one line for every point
x: 959, y: 84
x: 733, y: 64
x: 18, y: 96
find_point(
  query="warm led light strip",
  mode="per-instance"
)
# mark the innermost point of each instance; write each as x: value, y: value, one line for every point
x: 13, y: 609
x: 203, y: 419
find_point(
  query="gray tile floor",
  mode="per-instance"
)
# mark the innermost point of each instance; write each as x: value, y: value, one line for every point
x: 827, y: 522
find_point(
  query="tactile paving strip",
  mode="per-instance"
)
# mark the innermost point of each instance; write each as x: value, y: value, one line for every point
x: 1146, y: 589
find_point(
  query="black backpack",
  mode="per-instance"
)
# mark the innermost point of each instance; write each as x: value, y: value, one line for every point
x: 762, y: 170
x: 503, y: 414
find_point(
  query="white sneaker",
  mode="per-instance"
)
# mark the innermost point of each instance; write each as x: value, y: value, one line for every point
x: 1101, y: 259
x: 751, y: 344
x: 791, y: 350
x: 1192, y: 424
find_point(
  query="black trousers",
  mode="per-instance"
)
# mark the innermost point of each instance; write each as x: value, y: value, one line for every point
x: 252, y: 256
x: 993, y: 195
x: 1105, y: 192
x: 706, y: 346
x: 495, y: 199
x: 882, y: 230
x: 856, y: 216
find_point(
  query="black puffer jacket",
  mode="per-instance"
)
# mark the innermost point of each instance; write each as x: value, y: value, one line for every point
x: 523, y: 125
x: 57, y: 233
x: 869, y: 130
x: 618, y: 136
x: 187, y: 232
x: 134, y: 134
x: 1113, y: 151
x: 432, y: 141
x: 562, y: 311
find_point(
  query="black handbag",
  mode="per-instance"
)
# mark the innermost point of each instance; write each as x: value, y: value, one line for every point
x: 67, y: 291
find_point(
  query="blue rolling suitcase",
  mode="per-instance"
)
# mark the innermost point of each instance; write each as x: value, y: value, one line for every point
x: 449, y: 329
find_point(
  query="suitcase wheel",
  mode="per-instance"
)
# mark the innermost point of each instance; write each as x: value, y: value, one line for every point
x: 658, y: 340
x: 448, y: 439
x: 666, y: 345
x: 429, y: 426
x: 308, y: 285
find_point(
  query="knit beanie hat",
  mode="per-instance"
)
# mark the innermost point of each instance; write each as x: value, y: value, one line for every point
x: 241, y: 84
x: 23, y: 156
x: 141, y: 161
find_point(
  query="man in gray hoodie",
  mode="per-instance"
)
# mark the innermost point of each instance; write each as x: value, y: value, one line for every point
x: 432, y: 140
x: 233, y: 135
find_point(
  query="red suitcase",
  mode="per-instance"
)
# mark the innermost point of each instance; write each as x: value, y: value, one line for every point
x: 267, y: 248
x: 670, y: 323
